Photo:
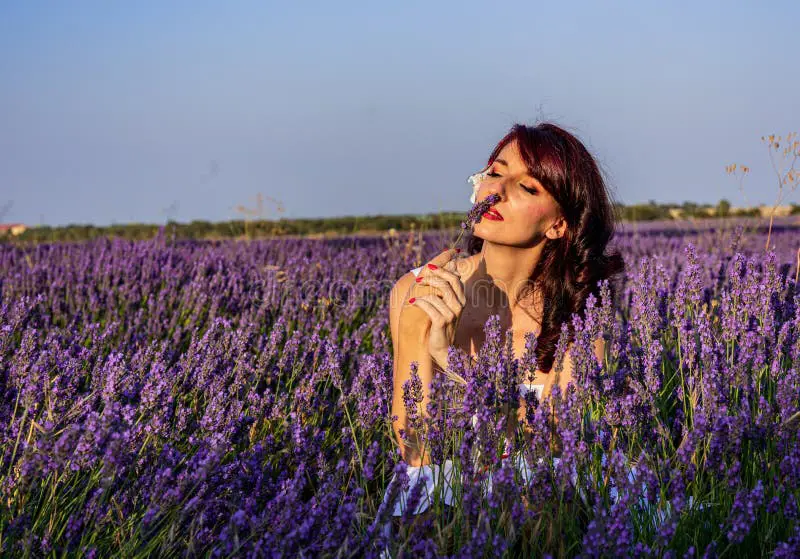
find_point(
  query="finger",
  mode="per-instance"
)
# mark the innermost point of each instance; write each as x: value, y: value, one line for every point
x: 433, y: 313
x: 454, y: 281
x: 461, y: 265
x: 441, y: 259
x: 439, y: 304
x: 420, y: 287
x: 452, y: 265
x: 444, y: 290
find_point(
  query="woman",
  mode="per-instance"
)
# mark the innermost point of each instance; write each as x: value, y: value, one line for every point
x: 534, y: 258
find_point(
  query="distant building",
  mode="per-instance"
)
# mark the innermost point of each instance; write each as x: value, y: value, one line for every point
x: 12, y: 228
x: 762, y: 211
x: 676, y: 213
x: 780, y: 211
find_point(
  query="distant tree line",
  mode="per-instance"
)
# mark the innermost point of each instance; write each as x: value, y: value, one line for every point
x: 652, y: 211
x: 199, y: 229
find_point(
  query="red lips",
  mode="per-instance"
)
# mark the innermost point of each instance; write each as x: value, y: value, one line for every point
x: 493, y: 215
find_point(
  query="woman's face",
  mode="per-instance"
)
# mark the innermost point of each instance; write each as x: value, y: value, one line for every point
x: 525, y: 213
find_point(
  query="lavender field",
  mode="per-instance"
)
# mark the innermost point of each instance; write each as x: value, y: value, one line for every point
x: 173, y: 398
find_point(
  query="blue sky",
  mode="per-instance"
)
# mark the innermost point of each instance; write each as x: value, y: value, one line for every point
x: 113, y: 112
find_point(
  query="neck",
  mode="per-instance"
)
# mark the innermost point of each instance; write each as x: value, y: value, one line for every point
x: 510, y: 268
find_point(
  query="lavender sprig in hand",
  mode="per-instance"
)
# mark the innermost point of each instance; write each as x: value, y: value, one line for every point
x: 476, y: 213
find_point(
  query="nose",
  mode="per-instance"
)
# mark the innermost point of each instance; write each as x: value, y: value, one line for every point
x: 496, y: 185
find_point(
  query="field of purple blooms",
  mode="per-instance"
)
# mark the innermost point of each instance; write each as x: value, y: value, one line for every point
x: 173, y: 398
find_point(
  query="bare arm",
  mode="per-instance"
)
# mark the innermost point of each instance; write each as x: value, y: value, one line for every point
x: 422, y: 332
x: 409, y: 344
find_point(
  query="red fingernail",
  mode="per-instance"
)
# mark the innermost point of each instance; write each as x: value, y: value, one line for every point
x: 419, y: 279
x: 458, y: 250
x: 412, y: 300
x: 433, y: 266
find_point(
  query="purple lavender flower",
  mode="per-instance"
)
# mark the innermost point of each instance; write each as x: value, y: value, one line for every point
x: 476, y: 213
x: 239, y: 393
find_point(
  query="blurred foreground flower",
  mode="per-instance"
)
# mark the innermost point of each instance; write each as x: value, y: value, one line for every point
x: 475, y: 180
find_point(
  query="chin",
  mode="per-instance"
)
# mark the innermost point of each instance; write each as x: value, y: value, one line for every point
x: 489, y: 238
x: 488, y: 231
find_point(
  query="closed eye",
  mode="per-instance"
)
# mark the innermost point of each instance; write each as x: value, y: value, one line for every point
x: 529, y: 189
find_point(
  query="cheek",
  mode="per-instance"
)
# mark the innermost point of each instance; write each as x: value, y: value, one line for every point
x: 535, y: 213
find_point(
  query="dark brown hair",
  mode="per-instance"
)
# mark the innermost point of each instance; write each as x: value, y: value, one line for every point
x: 570, y: 267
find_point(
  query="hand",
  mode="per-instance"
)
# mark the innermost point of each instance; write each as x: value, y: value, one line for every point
x: 442, y: 304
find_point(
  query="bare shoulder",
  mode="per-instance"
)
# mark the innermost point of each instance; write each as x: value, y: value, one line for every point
x: 403, y: 287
